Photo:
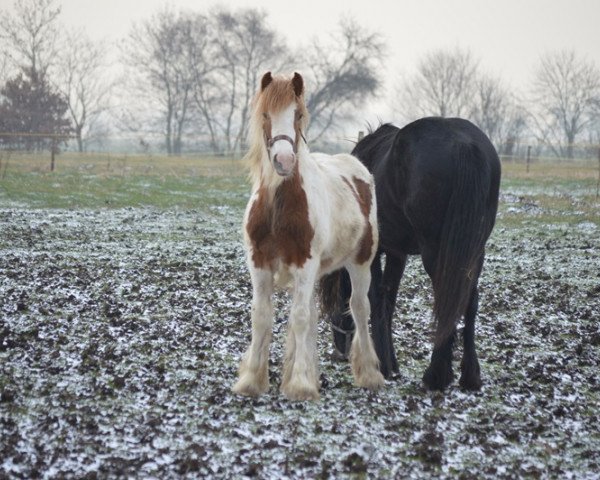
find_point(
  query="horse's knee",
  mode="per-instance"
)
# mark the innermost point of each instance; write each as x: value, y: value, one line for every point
x: 300, y: 319
x: 360, y: 307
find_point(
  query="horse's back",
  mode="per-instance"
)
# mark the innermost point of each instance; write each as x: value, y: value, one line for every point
x: 436, y: 152
x: 342, y: 165
x: 432, y: 146
x: 345, y: 210
x: 415, y: 168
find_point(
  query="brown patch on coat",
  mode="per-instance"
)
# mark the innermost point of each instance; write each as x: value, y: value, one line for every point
x: 267, y: 128
x: 326, y: 263
x: 280, y: 229
x: 362, y: 193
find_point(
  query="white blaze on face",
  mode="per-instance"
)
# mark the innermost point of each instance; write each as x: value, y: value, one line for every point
x: 282, y: 151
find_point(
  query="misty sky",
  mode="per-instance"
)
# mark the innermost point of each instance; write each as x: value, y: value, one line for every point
x: 507, y: 36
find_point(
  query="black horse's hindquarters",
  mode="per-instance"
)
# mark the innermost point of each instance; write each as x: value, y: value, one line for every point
x: 437, y: 183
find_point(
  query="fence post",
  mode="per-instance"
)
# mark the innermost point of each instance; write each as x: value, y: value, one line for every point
x: 528, y: 157
x: 52, y: 154
x: 361, y: 135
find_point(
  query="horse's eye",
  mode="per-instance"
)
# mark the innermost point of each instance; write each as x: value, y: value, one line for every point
x: 265, y: 115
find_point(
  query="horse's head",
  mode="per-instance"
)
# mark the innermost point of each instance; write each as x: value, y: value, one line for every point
x: 280, y: 108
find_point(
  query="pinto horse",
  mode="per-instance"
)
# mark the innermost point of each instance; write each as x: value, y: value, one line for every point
x: 437, y: 185
x: 308, y: 215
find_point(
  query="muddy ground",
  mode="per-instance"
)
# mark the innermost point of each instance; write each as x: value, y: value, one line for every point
x: 121, y: 331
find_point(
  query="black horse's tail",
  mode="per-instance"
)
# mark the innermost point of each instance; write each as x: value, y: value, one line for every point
x: 464, y: 233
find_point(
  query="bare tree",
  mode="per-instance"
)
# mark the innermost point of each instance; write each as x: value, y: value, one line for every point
x: 4, y: 68
x: 247, y: 47
x: 155, y: 57
x: 495, y: 109
x: 31, y: 35
x: 207, y: 93
x: 83, y: 82
x: 443, y: 85
x: 343, y: 74
x: 565, y: 92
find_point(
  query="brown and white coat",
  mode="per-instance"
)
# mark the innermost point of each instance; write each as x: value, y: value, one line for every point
x: 308, y: 215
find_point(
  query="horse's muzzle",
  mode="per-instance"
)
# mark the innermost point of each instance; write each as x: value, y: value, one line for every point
x: 284, y: 163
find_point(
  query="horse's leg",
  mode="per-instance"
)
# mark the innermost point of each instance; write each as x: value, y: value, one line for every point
x: 384, y: 290
x: 470, y: 378
x: 254, y: 367
x: 438, y: 374
x: 300, y: 369
x: 364, y: 361
x: 342, y: 324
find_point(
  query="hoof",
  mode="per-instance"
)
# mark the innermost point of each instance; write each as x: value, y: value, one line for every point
x: 388, y: 370
x: 248, y: 388
x: 372, y: 382
x: 438, y: 379
x: 470, y: 378
x: 338, y: 356
x: 300, y: 393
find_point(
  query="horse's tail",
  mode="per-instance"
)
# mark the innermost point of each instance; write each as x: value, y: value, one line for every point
x: 464, y: 233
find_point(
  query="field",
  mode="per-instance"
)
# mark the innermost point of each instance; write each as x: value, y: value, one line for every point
x: 124, y: 309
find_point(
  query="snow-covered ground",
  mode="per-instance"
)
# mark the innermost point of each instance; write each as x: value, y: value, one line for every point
x: 121, y: 331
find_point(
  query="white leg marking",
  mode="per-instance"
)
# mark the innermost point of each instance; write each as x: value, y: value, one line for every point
x: 300, y: 380
x: 364, y: 361
x: 253, y: 377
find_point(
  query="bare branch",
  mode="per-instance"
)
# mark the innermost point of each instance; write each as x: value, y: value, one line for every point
x: 82, y: 80
x: 32, y: 35
x: 566, y: 90
x: 343, y: 74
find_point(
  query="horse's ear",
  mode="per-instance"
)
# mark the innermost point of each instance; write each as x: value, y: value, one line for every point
x: 266, y: 79
x: 298, y: 84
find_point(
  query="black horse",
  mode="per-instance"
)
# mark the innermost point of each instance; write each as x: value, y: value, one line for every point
x: 437, y: 183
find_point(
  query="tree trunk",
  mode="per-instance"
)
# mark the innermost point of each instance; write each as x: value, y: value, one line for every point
x: 79, y: 139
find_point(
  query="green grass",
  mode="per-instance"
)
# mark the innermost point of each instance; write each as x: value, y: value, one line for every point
x: 552, y: 192
x: 154, y: 181
x: 84, y: 191
x: 562, y: 192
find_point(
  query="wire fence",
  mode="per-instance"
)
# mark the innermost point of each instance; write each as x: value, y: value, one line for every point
x: 41, y: 152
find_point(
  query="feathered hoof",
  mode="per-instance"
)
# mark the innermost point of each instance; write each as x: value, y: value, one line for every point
x: 248, y: 387
x: 470, y: 378
x: 373, y: 381
x: 299, y: 393
x: 438, y: 379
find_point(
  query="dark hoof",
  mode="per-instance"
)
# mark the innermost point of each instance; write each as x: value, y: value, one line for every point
x: 438, y: 378
x: 470, y: 378
x: 388, y: 370
x: 338, y: 356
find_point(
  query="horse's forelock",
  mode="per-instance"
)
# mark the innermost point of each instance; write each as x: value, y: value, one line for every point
x: 278, y: 95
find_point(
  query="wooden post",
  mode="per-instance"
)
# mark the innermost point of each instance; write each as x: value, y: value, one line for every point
x: 361, y: 135
x: 52, y: 155
x: 528, y: 157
